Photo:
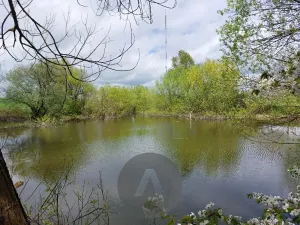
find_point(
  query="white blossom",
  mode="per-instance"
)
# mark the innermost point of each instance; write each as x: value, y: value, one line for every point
x: 204, y: 222
x: 202, y: 213
x: 253, y: 221
x: 220, y: 212
x: 209, y: 205
x: 295, y: 212
x: 276, y: 205
x: 285, y: 206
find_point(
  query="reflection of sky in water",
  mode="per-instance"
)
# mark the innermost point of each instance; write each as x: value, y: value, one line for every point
x: 217, y: 164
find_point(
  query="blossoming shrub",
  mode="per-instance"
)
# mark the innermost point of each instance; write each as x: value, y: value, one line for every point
x: 277, y: 210
x: 154, y: 207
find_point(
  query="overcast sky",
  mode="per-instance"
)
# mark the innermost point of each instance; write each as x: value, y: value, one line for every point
x: 191, y: 26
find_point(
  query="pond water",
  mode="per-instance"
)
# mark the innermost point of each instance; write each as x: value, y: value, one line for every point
x: 217, y: 162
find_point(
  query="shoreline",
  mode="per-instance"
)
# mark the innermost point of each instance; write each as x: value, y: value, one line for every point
x: 10, y: 123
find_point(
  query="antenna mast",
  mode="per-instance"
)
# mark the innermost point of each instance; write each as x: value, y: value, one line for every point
x: 166, y: 41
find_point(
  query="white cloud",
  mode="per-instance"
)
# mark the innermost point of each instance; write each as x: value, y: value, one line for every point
x: 191, y: 26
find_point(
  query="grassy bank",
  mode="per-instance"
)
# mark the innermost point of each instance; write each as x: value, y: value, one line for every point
x: 20, y: 120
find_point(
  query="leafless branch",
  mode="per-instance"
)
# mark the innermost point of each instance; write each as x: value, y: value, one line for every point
x: 38, y: 41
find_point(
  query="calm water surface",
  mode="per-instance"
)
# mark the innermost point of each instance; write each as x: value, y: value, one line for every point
x: 216, y: 161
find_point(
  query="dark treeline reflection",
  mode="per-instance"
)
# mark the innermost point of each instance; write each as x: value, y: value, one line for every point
x: 44, y: 152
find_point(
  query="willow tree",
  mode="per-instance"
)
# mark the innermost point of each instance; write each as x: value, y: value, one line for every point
x: 24, y: 37
x: 32, y: 86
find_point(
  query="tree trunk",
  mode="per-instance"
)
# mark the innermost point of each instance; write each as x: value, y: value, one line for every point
x: 11, y: 209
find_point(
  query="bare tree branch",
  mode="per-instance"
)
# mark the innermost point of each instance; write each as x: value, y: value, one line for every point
x: 38, y: 41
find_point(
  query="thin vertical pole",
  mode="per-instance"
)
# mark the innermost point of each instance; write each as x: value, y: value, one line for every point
x: 166, y: 41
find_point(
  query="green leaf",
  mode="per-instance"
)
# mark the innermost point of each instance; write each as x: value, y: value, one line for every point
x: 297, y: 80
x: 279, y: 216
x: 171, y: 221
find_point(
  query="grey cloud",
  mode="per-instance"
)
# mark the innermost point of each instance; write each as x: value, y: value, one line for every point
x: 191, y: 26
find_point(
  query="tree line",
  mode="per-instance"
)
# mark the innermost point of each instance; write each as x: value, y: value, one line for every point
x: 213, y: 87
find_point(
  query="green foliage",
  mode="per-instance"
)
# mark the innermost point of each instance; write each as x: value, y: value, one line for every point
x: 283, y: 104
x: 183, y: 59
x: 111, y: 102
x: 34, y: 87
x: 78, y: 93
x: 143, y: 99
x: 211, y: 88
x: 48, y: 91
x: 208, y: 87
x: 10, y: 110
x: 261, y: 33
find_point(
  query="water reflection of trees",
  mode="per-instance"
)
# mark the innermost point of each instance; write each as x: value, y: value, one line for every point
x: 43, y: 153
x: 208, y: 145
x: 211, y: 146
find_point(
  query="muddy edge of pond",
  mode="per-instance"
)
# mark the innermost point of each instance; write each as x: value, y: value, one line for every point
x: 8, y: 123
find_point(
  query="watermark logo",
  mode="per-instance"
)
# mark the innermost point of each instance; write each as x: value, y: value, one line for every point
x: 147, y: 175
